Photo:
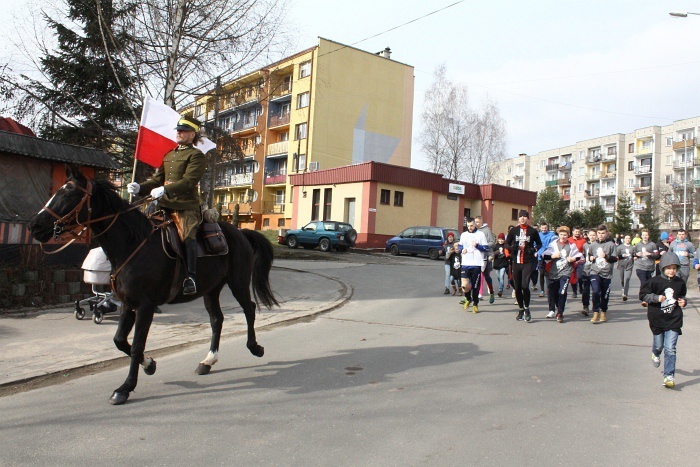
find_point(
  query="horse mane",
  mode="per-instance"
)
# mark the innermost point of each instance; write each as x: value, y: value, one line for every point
x: 135, y: 222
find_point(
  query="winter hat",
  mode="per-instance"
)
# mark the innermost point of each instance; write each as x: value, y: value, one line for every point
x: 664, y: 236
x: 501, y: 236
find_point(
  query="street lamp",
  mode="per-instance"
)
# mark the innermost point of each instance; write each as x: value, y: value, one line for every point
x: 682, y: 14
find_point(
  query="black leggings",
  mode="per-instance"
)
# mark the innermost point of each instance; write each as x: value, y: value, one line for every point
x: 521, y: 282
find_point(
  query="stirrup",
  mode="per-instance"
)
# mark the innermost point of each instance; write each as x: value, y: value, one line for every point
x: 189, y: 287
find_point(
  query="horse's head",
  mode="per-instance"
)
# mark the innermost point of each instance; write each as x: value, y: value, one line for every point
x: 64, y: 208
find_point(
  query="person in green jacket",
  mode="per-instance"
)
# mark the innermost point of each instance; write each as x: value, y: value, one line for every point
x: 175, y: 185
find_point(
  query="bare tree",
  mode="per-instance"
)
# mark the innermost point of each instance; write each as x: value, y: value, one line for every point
x: 670, y: 199
x: 185, y: 44
x: 459, y: 142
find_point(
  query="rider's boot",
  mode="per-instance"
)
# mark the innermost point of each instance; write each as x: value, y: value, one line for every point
x: 188, y: 286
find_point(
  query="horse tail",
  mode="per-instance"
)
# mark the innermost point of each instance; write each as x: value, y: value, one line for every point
x: 262, y: 263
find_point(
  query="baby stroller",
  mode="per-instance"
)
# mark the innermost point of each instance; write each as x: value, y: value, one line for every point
x: 97, y: 270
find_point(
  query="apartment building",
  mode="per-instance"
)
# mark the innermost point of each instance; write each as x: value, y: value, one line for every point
x: 328, y: 106
x: 662, y: 160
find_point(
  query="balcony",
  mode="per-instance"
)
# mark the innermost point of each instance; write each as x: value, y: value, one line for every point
x: 551, y: 167
x: 279, y: 120
x: 518, y: 176
x: 564, y: 181
x: 644, y: 151
x: 608, y: 192
x: 610, y: 157
x: 608, y: 175
x: 566, y: 197
x: 593, y: 159
x: 680, y: 203
x: 609, y: 209
x: 243, y: 209
x: 641, y: 188
x: 275, y: 177
x: 281, y: 147
x: 642, y: 169
x: 686, y: 143
x: 690, y: 163
x: 565, y: 166
x: 593, y: 176
x: 273, y: 208
x: 235, y: 180
x: 551, y: 183
x: 244, y: 125
x: 592, y: 193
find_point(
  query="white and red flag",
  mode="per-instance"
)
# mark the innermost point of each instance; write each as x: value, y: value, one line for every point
x: 157, y: 133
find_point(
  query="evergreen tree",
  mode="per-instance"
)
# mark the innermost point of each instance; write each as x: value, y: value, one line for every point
x: 575, y: 219
x: 550, y: 207
x: 649, y: 220
x: 622, y: 221
x: 594, y: 215
x: 90, y: 94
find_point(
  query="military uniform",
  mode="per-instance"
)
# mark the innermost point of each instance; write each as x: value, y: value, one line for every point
x: 180, y: 173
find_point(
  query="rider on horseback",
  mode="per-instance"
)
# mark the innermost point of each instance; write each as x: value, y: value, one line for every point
x: 175, y: 186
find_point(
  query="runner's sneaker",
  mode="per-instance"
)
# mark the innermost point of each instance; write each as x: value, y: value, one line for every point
x: 669, y: 382
x: 500, y: 294
x: 624, y: 297
x: 461, y: 302
x: 551, y: 314
x: 560, y: 318
x: 521, y: 312
x: 542, y: 294
x: 585, y: 310
x: 491, y: 299
x: 534, y: 287
x: 655, y: 360
x: 466, y: 304
x: 475, y: 309
x: 528, y: 316
x: 512, y: 295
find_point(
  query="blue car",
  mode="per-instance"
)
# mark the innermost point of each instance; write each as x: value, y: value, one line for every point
x: 420, y: 241
x: 324, y: 234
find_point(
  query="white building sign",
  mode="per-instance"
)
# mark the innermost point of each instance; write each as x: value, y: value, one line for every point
x: 458, y: 189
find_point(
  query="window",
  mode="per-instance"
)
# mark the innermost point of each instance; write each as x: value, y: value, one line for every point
x: 302, y: 100
x: 279, y: 197
x: 630, y: 183
x: 630, y: 165
x: 507, y: 182
x: 283, y: 136
x: 300, y: 131
x: 385, y: 197
x: 514, y: 214
x: 669, y: 179
x: 612, y: 150
x: 280, y: 222
x: 304, y: 69
x: 669, y: 160
x: 266, y: 222
x: 299, y: 162
x: 327, y: 201
x: 669, y: 141
x: 510, y: 169
x: 581, y: 155
x: 315, y: 203
x: 581, y: 170
x: 580, y: 187
x: 630, y: 148
x: 398, y: 198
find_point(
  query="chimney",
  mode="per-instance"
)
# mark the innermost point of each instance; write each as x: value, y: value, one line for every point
x: 522, y: 155
x: 386, y: 53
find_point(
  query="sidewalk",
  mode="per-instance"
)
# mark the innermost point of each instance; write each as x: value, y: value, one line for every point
x: 51, y: 341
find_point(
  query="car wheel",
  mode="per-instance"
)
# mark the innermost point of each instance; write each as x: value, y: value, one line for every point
x: 292, y: 241
x: 394, y: 249
x: 324, y: 244
x: 433, y: 254
x: 351, y: 237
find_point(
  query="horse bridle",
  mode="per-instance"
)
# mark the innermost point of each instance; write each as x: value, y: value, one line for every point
x: 70, y: 222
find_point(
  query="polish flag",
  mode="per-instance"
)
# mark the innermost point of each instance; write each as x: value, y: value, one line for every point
x: 157, y: 133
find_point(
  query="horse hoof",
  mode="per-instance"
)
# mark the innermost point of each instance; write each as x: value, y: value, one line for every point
x: 258, y: 350
x: 118, y: 398
x: 150, y: 369
x: 203, y: 369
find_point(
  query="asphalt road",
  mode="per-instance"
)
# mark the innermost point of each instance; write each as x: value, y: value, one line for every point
x: 400, y: 375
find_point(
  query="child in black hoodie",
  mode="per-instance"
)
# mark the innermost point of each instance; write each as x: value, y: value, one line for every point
x: 665, y: 296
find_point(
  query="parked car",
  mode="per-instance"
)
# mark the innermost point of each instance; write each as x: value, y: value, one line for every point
x: 324, y: 234
x: 420, y: 240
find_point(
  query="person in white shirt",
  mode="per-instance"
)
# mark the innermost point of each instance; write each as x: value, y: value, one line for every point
x: 472, y: 246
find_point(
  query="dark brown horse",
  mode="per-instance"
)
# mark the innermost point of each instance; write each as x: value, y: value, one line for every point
x: 143, y: 280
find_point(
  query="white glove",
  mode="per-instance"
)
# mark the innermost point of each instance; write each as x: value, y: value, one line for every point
x: 157, y: 192
x: 133, y: 188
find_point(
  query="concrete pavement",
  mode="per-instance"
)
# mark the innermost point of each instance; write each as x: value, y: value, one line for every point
x: 51, y: 342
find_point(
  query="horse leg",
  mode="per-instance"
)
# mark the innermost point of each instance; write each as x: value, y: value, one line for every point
x: 126, y: 324
x: 241, y: 291
x: 216, y: 318
x: 144, y: 318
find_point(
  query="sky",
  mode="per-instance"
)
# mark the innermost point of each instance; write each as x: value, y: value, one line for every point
x: 561, y: 71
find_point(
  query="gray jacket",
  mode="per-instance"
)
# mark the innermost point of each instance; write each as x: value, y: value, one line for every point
x: 490, y: 239
x: 646, y: 262
x: 625, y: 257
x: 685, y: 251
x: 603, y: 258
x: 560, y: 267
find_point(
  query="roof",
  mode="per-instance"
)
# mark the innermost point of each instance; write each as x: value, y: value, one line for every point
x: 7, y: 124
x: 38, y: 148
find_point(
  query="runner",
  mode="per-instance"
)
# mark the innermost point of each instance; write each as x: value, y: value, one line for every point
x: 602, y: 256
x: 625, y: 264
x: 472, y: 247
x: 561, y: 255
x: 523, y: 242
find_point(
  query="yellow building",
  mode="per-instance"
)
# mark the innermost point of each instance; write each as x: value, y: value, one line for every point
x: 328, y: 106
